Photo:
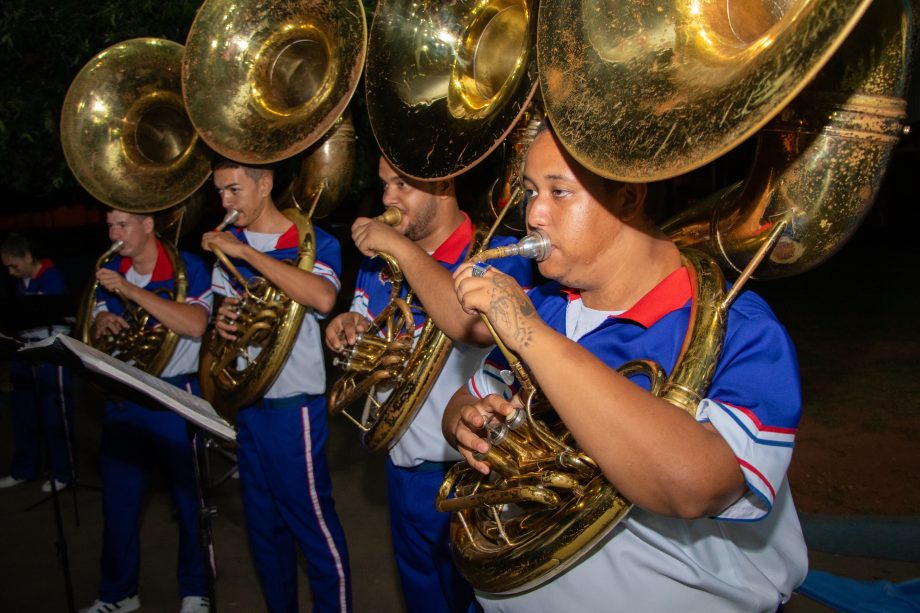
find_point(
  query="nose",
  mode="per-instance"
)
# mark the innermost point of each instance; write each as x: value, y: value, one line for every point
x: 389, y: 196
x: 537, y: 213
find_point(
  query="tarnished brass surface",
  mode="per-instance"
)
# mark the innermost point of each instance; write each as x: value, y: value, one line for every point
x: 642, y: 91
x: 545, y: 503
x: 124, y: 129
x: 264, y: 80
x: 142, y: 344
x: 446, y: 82
x: 389, y: 368
x: 326, y: 171
x: 820, y: 163
x: 267, y: 326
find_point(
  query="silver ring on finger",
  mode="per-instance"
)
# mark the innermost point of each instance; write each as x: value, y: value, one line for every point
x: 480, y: 268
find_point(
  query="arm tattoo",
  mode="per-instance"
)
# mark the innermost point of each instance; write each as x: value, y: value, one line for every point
x: 513, y: 310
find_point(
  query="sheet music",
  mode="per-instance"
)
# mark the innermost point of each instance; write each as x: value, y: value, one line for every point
x: 196, y: 410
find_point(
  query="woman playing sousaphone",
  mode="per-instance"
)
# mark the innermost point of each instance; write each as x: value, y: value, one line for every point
x: 713, y: 527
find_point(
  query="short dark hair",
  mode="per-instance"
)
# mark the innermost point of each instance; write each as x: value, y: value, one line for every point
x: 611, y: 185
x: 16, y: 245
x: 138, y: 214
x: 253, y: 171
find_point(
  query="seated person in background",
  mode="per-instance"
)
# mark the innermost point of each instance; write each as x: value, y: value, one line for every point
x: 713, y: 527
x: 138, y: 441
x: 432, y: 238
x: 38, y: 387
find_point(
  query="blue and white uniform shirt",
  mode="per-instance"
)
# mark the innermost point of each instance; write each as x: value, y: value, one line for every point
x: 753, y: 548
x: 48, y: 281
x: 423, y: 441
x: 304, y: 371
x: 184, y: 359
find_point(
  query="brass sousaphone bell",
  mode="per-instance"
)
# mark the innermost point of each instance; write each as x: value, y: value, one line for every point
x: 696, y: 79
x: 264, y: 81
x: 445, y: 85
x: 129, y: 142
x: 124, y: 129
x: 641, y: 91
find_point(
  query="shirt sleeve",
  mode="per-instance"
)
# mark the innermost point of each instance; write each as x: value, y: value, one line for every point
x: 328, y: 262
x: 360, y: 302
x: 755, y: 405
x: 199, y: 283
x: 99, y: 307
x: 105, y: 298
x: 493, y: 377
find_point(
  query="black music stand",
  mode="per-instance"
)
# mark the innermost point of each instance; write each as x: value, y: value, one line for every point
x: 75, y: 484
x: 45, y: 313
x: 131, y: 383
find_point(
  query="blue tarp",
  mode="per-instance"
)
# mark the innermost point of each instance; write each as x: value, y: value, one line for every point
x: 852, y: 596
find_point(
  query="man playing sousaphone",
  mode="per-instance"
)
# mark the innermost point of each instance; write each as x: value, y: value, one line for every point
x: 287, y: 490
x: 136, y: 440
x: 713, y: 527
x: 431, y: 239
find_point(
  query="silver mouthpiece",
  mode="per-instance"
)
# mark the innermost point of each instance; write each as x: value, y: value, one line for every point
x: 229, y: 218
x: 534, y: 246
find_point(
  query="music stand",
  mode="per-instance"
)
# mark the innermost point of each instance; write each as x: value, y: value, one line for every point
x: 12, y: 347
x: 43, y: 315
x: 75, y: 484
x: 131, y: 383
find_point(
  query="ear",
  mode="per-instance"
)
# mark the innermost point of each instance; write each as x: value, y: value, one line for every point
x: 632, y: 201
x: 148, y: 224
x: 266, y: 182
x: 445, y: 188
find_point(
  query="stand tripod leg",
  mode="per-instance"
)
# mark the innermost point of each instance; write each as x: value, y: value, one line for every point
x: 61, y: 543
x: 212, y: 446
x: 206, y: 512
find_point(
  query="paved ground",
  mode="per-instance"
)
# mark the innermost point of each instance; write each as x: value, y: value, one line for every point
x: 34, y: 579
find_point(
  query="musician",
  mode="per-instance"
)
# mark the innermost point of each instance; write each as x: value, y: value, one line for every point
x: 432, y: 238
x: 38, y: 279
x: 714, y: 527
x: 287, y: 490
x: 136, y: 441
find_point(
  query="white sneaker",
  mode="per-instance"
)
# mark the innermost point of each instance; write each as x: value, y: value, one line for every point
x: 131, y: 603
x: 195, y: 604
x: 58, y: 485
x: 10, y: 481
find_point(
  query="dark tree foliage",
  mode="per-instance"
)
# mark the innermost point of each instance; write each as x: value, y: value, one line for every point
x: 43, y: 45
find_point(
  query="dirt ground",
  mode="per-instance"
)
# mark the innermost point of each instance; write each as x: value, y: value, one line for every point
x: 859, y: 354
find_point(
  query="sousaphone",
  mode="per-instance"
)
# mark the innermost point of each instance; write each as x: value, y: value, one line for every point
x: 640, y: 91
x: 129, y: 143
x: 445, y: 85
x: 264, y: 81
